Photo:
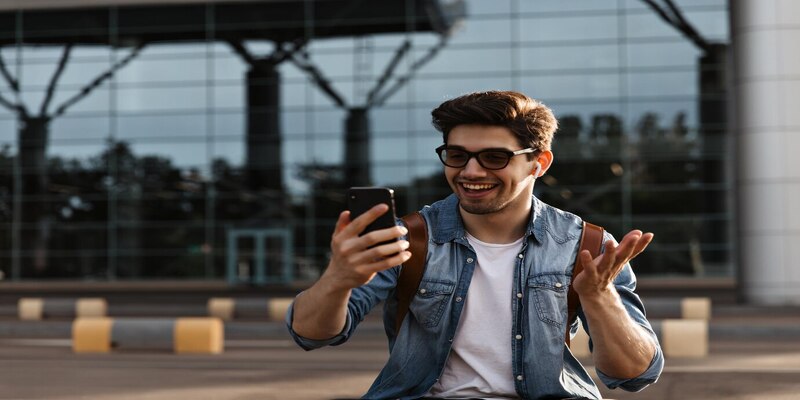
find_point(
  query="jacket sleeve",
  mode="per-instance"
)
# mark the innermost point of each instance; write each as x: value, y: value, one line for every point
x: 362, y: 300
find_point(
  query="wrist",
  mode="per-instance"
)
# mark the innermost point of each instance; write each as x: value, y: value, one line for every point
x: 332, y: 285
x: 604, y: 295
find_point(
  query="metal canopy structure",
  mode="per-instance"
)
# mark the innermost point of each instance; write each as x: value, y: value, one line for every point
x: 290, y: 24
x: 125, y: 23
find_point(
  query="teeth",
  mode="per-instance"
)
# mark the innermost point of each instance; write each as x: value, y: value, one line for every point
x: 476, y: 186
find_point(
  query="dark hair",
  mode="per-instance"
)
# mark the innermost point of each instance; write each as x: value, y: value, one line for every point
x: 529, y: 120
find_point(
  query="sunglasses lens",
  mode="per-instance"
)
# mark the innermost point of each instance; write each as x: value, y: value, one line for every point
x: 493, y: 159
x: 454, y: 158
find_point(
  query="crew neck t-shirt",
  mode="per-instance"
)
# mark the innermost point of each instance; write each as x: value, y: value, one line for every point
x: 479, y: 364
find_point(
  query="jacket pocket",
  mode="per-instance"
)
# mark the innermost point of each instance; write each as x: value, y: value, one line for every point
x: 430, y: 300
x: 548, y: 293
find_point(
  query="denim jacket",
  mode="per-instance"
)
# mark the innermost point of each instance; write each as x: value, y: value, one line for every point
x: 542, y: 364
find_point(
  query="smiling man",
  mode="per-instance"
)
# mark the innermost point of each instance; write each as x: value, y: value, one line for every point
x: 489, y: 317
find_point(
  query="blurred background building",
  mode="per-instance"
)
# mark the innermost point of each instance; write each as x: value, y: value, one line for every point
x: 214, y: 140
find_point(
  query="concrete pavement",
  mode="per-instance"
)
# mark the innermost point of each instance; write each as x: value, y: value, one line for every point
x: 275, y: 369
x: 754, y: 354
x: 269, y: 366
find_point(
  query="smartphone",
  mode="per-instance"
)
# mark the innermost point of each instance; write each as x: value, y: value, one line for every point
x: 361, y: 199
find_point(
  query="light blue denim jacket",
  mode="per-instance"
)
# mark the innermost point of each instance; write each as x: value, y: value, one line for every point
x: 542, y: 364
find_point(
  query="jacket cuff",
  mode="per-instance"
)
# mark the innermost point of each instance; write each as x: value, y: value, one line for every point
x: 640, y: 382
x: 311, y: 344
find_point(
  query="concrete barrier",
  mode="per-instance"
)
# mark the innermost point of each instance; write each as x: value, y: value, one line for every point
x: 35, y: 308
x: 683, y: 308
x: 227, y: 308
x: 30, y: 309
x: 696, y: 308
x: 680, y: 338
x: 91, y: 335
x: 686, y: 338
x: 222, y: 308
x: 180, y: 335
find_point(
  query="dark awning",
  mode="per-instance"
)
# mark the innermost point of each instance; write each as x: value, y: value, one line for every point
x: 120, y: 22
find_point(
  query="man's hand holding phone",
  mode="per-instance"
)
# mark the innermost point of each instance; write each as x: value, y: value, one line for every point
x: 365, y: 242
x: 356, y: 258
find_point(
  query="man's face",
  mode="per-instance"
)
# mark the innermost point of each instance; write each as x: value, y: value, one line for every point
x: 485, y: 191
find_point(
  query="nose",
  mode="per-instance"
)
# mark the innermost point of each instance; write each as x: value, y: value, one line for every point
x: 473, y: 169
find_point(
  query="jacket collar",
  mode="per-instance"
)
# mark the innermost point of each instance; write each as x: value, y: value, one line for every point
x: 449, y: 226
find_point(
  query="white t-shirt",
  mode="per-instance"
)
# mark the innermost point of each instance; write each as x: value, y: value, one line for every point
x: 479, y: 364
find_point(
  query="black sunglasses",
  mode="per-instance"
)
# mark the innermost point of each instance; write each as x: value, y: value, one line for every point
x: 489, y: 159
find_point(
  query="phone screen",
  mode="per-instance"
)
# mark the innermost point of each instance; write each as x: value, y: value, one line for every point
x: 361, y: 199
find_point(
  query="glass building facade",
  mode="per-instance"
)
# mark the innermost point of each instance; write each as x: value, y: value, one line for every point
x: 216, y: 156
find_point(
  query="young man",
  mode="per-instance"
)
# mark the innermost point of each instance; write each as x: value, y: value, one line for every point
x: 489, y: 317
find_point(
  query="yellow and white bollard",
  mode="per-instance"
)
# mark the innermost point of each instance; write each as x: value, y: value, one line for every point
x: 30, y: 309
x: 687, y: 338
x: 181, y: 335
x: 278, y: 308
x: 36, y: 309
x: 227, y: 308
x: 696, y: 308
x: 222, y: 307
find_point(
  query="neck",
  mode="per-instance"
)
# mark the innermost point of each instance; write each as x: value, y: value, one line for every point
x: 503, y: 226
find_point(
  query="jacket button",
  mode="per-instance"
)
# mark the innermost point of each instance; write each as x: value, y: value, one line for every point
x: 423, y: 291
x: 558, y: 284
x: 519, y: 295
x: 470, y: 260
x: 519, y: 377
x: 520, y: 255
x: 458, y: 299
x: 518, y: 337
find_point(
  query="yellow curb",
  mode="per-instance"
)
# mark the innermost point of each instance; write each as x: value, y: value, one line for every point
x: 91, y: 335
x: 199, y: 336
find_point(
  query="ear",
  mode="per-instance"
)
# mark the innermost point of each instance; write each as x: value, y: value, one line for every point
x: 544, y: 160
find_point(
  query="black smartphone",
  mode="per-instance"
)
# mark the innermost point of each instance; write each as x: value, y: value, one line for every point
x: 361, y: 199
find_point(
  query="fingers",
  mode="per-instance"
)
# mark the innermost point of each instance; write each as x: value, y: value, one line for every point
x: 602, y: 270
x: 631, y: 246
x: 357, y: 225
x: 369, y: 262
x: 346, y: 233
x: 381, y: 252
x: 389, y: 262
x: 604, y: 262
x: 634, y: 243
x: 344, y: 219
x: 383, y: 235
x: 642, y: 244
x: 586, y: 258
x: 609, y: 257
x: 360, y: 243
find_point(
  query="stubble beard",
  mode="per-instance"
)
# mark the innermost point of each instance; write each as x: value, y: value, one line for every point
x: 482, y: 208
x: 489, y: 206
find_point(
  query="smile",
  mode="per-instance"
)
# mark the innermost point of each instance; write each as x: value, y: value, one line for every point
x: 477, y: 186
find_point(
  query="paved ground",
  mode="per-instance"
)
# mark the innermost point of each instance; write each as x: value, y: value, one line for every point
x: 755, y: 354
x: 273, y: 368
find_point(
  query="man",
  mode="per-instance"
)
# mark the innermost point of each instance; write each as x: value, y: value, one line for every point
x: 489, y: 317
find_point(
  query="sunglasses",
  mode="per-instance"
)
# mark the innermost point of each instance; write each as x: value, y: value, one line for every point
x: 489, y: 159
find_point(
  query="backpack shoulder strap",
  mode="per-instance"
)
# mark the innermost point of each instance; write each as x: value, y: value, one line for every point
x: 413, y: 269
x: 592, y: 240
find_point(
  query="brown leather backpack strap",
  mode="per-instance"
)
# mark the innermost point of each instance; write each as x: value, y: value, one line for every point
x: 413, y: 269
x: 592, y: 240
